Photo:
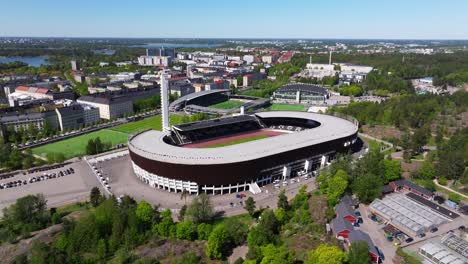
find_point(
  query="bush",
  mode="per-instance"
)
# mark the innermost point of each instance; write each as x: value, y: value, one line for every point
x: 454, y: 197
x: 204, y: 231
x: 442, y: 180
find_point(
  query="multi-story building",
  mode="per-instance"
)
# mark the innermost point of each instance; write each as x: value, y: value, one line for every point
x: 75, y: 65
x: 90, y: 114
x: 18, y: 122
x: 267, y: 59
x: 23, y: 94
x: 154, y: 60
x: 116, y: 104
x: 109, y: 106
x: 71, y: 117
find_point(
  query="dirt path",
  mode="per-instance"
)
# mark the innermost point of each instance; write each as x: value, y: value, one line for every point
x: 450, y: 190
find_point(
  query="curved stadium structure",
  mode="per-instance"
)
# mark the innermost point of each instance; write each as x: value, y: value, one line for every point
x: 239, y: 153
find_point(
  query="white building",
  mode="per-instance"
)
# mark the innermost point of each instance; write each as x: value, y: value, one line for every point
x: 154, y: 61
x: 249, y: 59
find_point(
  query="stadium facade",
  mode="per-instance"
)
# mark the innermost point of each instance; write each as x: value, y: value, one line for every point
x: 301, y: 93
x: 307, y: 141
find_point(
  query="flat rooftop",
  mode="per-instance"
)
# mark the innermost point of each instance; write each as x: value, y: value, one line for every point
x: 150, y: 144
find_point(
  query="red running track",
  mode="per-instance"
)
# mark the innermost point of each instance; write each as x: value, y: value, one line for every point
x: 207, y: 143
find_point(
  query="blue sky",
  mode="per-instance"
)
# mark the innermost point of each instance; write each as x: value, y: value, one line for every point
x: 406, y: 19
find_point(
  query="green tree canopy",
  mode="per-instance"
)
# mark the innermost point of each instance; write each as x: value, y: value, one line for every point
x: 325, y: 254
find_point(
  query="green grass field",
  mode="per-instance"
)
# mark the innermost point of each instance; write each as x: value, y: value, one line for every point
x: 235, y: 142
x: 76, y: 146
x: 227, y: 105
x: 153, y: 122
x: 287, y: 107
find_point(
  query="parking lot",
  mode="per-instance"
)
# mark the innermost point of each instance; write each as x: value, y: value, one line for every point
x: 123, y: 181
x: 58, y: 190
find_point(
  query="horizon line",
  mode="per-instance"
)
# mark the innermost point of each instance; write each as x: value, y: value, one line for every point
x: 242, y: 38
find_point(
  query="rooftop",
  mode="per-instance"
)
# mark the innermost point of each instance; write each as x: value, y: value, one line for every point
x: 308, y: 88
x: 151, y: 144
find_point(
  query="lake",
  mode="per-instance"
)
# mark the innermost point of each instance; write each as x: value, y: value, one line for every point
x: 104, y: 52
x: 177, y: 45
x: 31, y: 61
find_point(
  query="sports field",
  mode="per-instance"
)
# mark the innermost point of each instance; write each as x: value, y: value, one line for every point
x: 235, y: 142
x: 227, y: 104
x: 235, y: 139
x: 287, y: 107
x: 76, y: 146
x: 153, y: 122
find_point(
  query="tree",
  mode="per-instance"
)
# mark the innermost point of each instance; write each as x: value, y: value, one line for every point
x: 337, y: 186
x: 367, y: 187
x: 200, y: 210
x: 358, y: 253
x: 90, y: 147
x: 190, y: 258
x: 266, y: 230
x: 217, y: 242
x: 166, y: 227
x: 325, y: 254
x: 144, y: 212
x: 204, y: 231
x: 427, y: 171
x: 283, y: 200
x: 182, y: 212
x: 276, y: 255
x: 95, y: 197
x: 183, y: 195
x: 392, y: 169
x: 250, y: 205
x: 186, y: 230
x: 101, y: 249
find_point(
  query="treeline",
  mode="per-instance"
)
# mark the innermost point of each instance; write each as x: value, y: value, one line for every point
x: 96, y: 146
x: 14, y: 159
x: 364, y: 177
x: 111, y: 231
x: 30, y: 132
x: 28, y: 214
x: 405, y: 66
x: 412, y: 111
x: 149, y: 103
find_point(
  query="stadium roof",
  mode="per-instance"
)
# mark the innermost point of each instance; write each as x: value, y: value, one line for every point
x: 192, y: 96
x: 150, y: 144
x: 307, y: 88
x: 214, y: 122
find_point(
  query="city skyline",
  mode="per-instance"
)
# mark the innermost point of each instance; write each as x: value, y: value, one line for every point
x: 361, y: 19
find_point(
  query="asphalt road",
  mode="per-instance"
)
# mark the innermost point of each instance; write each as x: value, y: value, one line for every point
x: 123, y: 181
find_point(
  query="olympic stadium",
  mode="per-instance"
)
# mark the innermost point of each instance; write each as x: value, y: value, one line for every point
x: 199, y: 157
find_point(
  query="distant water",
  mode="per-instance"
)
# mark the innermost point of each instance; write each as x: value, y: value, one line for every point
x: 31, y: 61
x: 177, y: 45
x: 104, y: 52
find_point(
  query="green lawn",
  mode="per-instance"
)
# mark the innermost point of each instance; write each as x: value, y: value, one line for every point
x: 287, y: 107
x: 76, y: 146
x: 239, y: 141
x: 227, y: 105
x: 153, y: 122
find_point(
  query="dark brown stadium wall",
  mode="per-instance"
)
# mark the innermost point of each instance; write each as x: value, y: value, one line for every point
x: 233, y: 173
